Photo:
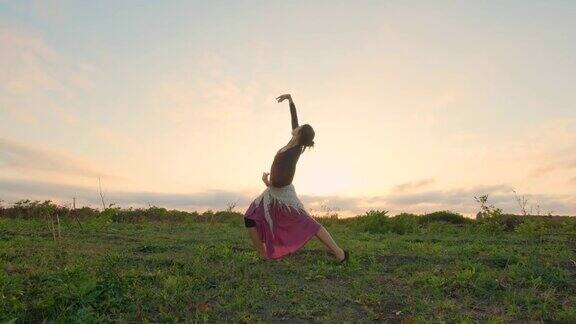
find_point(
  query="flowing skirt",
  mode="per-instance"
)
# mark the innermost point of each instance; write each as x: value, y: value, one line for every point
x: 283, y: 225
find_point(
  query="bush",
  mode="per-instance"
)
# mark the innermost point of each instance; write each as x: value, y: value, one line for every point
x: 497, y: 223
x: 84, y: 213
x: 543, y: 225
x: 27, y: 209
x: 532, y: 228
x: 492, y: 220
x: 444, y: 228
x: 159, y: 214
x: 404, y: 223
x: 491, y: 227
x: 510, y: 222
x: 151, y: 214
x: 376, y: 221
x: 224, y: 216
x: 444, y: 216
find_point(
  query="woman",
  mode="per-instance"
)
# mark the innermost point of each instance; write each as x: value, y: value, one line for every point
x: 277, y: 222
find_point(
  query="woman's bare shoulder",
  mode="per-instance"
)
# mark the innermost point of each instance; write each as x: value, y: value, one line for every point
x: 286, y: 148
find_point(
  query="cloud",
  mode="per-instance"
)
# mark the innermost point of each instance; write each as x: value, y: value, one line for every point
x: 26, y: 62
x: 462, y: 200
x: 25, y: 158
x: 185, y: 101
x: 38, y: 9
x: 450, y: 197
x: 34, y: 75
x: 14, y: 190
x: 205, y: 91
x: 414, y: 184
x: 551, y: 147
x: 46, y: 9
x: 459, y: 200
x: 29, y: 65
x: 559, y: 166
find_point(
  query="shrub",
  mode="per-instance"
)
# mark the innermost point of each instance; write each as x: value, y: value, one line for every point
x: 27, y: 209
x: 84, y: 212
x: 500, y: 223
x: 542, y: 225
x: 532, y: 228
x: 491, y: 227
x: 442, y: 227
x: 404, y: 223
x: 510, y: 222
x: 227, y: 216
x: 569, y: 225
x: 444, y: 216
x: 107, y: 216
x: 151, y: 214
x: 492, y: 220
x: 376, y: 221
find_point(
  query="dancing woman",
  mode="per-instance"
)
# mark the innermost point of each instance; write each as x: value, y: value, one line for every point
x: 277, y: 222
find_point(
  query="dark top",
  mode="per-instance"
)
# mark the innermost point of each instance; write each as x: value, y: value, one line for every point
x: 284, y: 165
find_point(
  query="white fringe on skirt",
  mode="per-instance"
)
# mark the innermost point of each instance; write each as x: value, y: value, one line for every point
x: 286, y: 196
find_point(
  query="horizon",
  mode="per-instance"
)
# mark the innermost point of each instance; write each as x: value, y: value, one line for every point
x: 417, y: 107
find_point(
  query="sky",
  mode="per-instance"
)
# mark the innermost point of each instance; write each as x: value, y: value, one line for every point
x: 417, y: 106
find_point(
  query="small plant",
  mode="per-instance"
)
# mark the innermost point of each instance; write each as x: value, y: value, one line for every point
x: 330, y: 212
x: 231, y: 206
x: 493, y: 220
x: 486, y: 210
x: 101, y: 194
x: 522, y: 203
x: 325, y: 212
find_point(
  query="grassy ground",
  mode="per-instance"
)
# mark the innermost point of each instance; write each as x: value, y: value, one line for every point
x: 197, y: 271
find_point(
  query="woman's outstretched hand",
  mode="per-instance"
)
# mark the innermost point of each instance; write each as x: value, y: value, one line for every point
x: 284, y: 97
x: 265, y: 179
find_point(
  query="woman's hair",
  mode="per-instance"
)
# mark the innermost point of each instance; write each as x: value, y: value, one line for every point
x: 306, y: 136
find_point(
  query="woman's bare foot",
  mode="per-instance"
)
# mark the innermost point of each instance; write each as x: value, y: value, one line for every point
x: 340, y: 255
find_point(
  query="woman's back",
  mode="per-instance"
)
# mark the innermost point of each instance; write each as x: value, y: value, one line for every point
x: 284, y: 166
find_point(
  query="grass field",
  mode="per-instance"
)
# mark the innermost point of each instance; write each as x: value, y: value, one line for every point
x: 201, y: 268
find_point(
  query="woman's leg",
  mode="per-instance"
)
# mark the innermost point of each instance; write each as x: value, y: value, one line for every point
x: 327, y: 239
x: 258, y: 245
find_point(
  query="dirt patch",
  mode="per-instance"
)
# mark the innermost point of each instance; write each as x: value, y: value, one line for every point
x: 157, y: 248
x: 154, y: 263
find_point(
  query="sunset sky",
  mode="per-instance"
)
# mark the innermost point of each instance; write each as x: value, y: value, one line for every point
x: 418, y: 106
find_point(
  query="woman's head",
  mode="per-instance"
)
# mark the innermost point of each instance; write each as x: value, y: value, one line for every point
x: 305, y: 134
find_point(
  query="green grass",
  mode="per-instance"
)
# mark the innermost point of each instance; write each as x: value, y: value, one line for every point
x: 196, y: 271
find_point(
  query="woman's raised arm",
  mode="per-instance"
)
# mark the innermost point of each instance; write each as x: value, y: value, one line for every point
x: 293, y: 114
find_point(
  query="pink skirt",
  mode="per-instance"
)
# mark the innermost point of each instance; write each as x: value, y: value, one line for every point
x: 292, y: 227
